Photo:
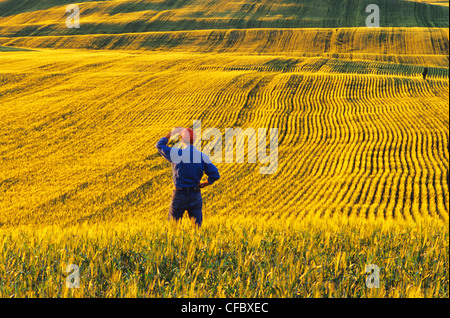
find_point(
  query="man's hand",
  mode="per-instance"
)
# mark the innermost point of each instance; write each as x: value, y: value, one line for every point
x: 173, y: 132
x: 177, y: 130
x: 203, y: 184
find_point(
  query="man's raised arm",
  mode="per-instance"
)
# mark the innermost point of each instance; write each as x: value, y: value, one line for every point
x: 161, y: 145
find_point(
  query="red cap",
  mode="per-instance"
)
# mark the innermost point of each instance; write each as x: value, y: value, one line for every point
x: 188, y: 136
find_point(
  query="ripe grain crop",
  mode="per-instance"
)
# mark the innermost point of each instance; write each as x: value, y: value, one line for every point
x: 228, y: 257
x: 363, y: 153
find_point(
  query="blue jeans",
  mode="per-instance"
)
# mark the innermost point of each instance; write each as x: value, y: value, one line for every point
x: 186, y: 199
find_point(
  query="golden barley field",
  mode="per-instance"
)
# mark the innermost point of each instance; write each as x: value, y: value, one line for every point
x: 362, y: 175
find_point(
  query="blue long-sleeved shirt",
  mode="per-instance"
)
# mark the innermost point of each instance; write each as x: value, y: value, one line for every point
x: 188, y: 165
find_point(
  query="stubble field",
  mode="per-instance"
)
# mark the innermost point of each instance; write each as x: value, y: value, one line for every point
x: 362, y: 173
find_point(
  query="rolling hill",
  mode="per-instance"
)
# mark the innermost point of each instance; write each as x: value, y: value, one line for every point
x: 38, y: 18
x: 362, y: 172
x: 360, y: 130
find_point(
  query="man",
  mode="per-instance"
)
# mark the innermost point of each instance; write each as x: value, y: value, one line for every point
x: 188, y: 167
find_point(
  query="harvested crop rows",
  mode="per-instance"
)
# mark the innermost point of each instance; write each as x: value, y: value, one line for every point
x: 349, y: 142
x: 362, y: 173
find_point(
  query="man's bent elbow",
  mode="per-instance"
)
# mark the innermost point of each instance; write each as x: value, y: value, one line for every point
x: 213, y: 179
x: 161, y: 143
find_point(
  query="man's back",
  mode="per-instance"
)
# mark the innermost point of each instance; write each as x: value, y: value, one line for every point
x: 188, y: 167
x: 188, y: 164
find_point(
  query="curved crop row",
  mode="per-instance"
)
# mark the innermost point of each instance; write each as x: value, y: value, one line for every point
x: 356, y: 142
